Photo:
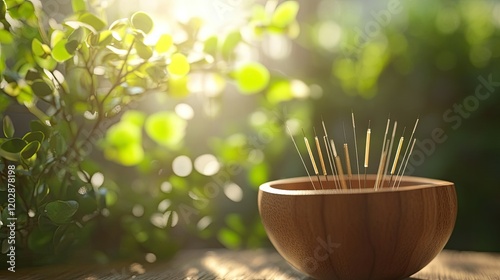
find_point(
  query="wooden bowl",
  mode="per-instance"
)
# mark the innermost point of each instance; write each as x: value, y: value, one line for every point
x: 358, y: 233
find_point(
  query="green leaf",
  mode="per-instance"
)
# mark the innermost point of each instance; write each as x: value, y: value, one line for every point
x: 210, y: 45
x: 77, y: 35
x: 30, y: 150
x: 166, y: 128
x: 5, y: 101
x: 59, y: 235
x: 79, y: 5
x: 32, y: 75
x: 11, y: 6
x: 8, y: 127
x: 252, y: 77
x: 120, y: 26
x: 123, y: 134
x: 58, y: 144
x: 34, y: 136
x: 46, y: 63
x: 39, y: 49
x: 11, y: 89
x: 128, y: 155
x: 285, y: 14
x: 144, y: 52
x: 5, y: 37
x: 41, y: 192
x: 41, y: 88
x: 90, y: 19
x: 105, y: 37
x: 102, y: 38
x: 5, y: 215
x: 132, y: 155
x: 72, y: 46
x: 134, y: 117
x: 44, y: 223
x: 230, y: 43
x: 280, y: 91
x: 26, y: 97
x: 157, y: 73
x: 229, y: 238
x: 11, y: 149
x: 56, y: 36
x: 26, y: 10
x: 111, y: 198
x: 37, y: 125
x: 61, y: 211
x: 142, y: 21
x: 39, y: 240
x: 179, y: 65
x: 60, y: 53
x: 14, y: 145
x: 164, y: 43
x: 64, y: 238
x: 11, y: 76
x: 178, y: 87
x: 2, y: 69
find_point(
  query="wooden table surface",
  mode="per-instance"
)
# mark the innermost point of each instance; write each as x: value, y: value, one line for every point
x: 221, y: 264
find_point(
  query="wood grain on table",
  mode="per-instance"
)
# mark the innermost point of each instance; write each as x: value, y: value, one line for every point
x: 221, y: 264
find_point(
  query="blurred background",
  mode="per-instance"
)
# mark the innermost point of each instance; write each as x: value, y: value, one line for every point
x: 433, y: 60
x: 406, y: 59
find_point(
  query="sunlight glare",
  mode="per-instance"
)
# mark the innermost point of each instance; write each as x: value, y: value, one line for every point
x: 207, y: 164
x: 217, y: 15
x: 166, y: 187
x: 182, y: 166
x: 184, y: 111
x: 97, y: 180
x: 329, y: 35
x: 204, y: 222
x: 233, y: 192
x: 150, y: 257
x: 164, y: 205
x: 138, y: 210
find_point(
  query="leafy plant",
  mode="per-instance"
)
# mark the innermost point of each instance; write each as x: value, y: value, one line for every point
x: 83, y: 80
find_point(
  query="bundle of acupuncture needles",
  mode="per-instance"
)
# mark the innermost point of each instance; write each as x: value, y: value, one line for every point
x: 340, y: 167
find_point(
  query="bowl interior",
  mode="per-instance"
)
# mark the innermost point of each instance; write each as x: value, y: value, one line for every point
x: 358, y: 184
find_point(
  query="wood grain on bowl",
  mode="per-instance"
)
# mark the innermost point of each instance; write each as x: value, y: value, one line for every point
x: 358, y: 233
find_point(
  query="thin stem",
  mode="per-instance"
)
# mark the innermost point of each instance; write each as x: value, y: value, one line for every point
x: 407, y: 149
x: 120, y: 76
x: 356, y: 148
x: 301, y: 159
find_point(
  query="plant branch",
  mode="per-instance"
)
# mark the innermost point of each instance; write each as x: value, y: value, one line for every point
x: 120, y: 76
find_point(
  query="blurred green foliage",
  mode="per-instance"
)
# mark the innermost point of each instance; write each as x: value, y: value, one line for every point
x: 99, y: 175
x: 427, y: 58
x: 140, y: 147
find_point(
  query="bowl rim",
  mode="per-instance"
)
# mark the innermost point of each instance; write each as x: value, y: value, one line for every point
x: 420, y: 183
